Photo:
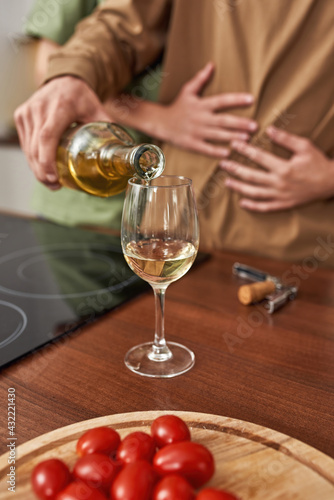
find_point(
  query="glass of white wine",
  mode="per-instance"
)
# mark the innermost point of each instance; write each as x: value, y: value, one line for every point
x: 160, y: 237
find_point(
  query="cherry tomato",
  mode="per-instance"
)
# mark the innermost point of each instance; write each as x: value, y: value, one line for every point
x: 213, y: 494
x: 173, y: 487
x: 99, y: 440
x: 96, y: 470
x: 134, y: 482
x: 49, y: 478
x: 79, y: 491
x: 191, y: 460
x: 136, y: 446
x: 169, y: 429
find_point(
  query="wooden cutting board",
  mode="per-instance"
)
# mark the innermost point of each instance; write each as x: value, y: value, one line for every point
x: 254, y: 462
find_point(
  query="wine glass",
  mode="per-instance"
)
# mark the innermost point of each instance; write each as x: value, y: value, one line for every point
x: 160, y: 237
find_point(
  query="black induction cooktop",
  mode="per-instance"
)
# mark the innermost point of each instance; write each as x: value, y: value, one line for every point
x: 53, y: 280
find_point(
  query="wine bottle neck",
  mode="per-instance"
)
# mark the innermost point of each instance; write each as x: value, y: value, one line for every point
x: 146, y: 160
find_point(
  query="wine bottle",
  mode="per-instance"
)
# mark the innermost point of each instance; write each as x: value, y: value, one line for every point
x: 99, y: 158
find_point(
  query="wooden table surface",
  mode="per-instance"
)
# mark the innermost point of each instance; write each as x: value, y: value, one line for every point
x: 273, y: 370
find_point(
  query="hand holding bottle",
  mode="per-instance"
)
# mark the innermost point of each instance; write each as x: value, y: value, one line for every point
x: 42, y: 120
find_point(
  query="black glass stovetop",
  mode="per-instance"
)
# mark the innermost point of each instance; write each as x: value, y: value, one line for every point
x: 54, y: 279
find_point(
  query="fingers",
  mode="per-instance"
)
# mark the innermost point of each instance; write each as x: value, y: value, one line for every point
x: 258, y: 188
x: 228, y: 100
x: 289, y: 141
x: 99, y: 115
x: 44, y: 138
x: 265, y: 206
x: 211, y: 150
x: 34, y: 139
x: 247, y: 174
x: 24, y: 124
x: 266, y: 160
x: 19, y: 127
x: 26, y: 128
x: 48, y: 137
x: 43, y: 119
x: 222, y: 135
x: 205, y: 148
x: 198, y: 82
x: 32, y: 151
x: 250, y: 190
x: 226, y: 120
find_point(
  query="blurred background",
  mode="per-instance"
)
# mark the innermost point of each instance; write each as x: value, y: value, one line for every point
x: 16, y: 84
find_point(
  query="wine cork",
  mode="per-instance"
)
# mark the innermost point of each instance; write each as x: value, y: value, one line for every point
x: 247, y: 294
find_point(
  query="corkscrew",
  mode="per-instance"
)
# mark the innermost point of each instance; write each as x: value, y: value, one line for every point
x: 266, y: 286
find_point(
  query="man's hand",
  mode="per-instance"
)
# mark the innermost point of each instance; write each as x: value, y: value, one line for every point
x: 196, y: 123
x: 307, y: 176
x: 42, y: 120
x: 191, y: 121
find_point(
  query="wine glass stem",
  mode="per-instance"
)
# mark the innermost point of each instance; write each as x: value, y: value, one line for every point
x: 160, y: 350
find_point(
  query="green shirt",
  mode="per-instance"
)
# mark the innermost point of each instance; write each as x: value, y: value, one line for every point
x: 57, y: 20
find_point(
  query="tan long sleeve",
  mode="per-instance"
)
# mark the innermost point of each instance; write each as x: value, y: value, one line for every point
x: 117, y: 41
x: 280, y: 51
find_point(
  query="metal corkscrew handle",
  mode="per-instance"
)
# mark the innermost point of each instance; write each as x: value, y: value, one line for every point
x: 253, y: 274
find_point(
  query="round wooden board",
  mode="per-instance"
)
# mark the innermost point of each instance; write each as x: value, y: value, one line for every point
x: 254, y: 462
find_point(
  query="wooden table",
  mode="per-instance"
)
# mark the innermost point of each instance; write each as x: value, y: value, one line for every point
x: 273, y: 370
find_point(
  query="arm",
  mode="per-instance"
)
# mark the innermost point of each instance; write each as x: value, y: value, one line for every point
x: 191, y: 122
x: 53, y: 28
x: 113, y: 44
x: 99, y: 59
x: 45, y: 48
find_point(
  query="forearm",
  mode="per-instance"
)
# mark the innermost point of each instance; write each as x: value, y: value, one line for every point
x: 190, y: 121
x: 45, y: 48
x: 146, y: 116
x: 112, y: 44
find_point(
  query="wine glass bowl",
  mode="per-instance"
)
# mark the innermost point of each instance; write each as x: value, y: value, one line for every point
x: 160, y: 238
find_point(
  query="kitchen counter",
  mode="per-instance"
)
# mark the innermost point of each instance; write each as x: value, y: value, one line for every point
x: 273, y: 370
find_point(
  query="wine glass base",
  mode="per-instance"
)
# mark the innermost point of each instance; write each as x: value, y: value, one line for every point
x: 139, y: 360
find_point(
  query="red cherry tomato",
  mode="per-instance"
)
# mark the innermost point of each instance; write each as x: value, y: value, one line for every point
x: 173, y: 487
x: 169, y: 429
x: 213, y: 494
x: 99, y: 440
x: 96, y: 470
x: 191, y: 460
x: 79, y: 491
x: 136, y: 446
x: 134, y: 482
x: 49, y: 478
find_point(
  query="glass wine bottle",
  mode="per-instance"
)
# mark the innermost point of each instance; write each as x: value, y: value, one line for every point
x: 99, y: 158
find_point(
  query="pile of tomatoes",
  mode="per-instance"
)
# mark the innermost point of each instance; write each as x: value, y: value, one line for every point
x: 163, y: 465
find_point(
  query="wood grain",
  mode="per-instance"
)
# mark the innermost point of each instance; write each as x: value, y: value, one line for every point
x: 274, y: 370
x: 250, y: 460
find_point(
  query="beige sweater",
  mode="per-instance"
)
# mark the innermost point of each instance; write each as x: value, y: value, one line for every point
x: 281, y: 51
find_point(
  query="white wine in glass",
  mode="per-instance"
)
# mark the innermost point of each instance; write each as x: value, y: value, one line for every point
x: 160, y: 238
